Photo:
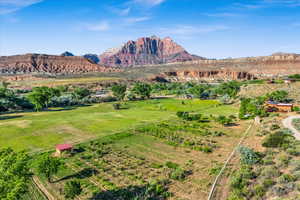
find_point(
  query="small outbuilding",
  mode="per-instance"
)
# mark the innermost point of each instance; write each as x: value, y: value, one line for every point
x: 279, y: 107
x: 60, y: 148
x: 289, y: 80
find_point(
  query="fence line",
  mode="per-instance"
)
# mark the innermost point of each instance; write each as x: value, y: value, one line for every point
x: 212, y: 190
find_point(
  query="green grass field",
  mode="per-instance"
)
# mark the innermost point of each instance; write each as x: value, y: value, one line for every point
x: 43, y: 130
x: 114, y: 164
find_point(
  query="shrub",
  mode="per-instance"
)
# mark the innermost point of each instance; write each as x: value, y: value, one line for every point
x: 72, y: 189
x: 156, y: 165
x: 270, y: 172
x: 293, y: 151
x: 206, y: 149
x: 178, y: 174
x: 268, y: 182
x: 274, y: 127
x: 284, y: 159
x: 286, y: 178
x: 296, y: 109
x: 248, y: 156
x: 259, y: 190
x: 277, y: 139
x: 279, y: 190
x: 268, y: 160
x: 172, y: 165
x: 117, y: 106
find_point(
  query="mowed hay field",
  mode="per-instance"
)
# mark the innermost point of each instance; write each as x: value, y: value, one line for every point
x: 117, y: 165
x: 43, y: 130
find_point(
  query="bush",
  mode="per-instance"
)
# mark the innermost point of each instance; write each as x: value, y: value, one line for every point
x: 187, y: 116
x: 293, y: 151
x: 279, y: 190
x: 172, y: 165
x: 277, y: 139
x: 270, y: 172
x: 274, y: 127
x: 268, y: 182
x: 178, y: 174
x: 72, y: 189
x: 286, y: 178
x: 248, y: 156
x: 117, y: 106
x: 296, y: 109
x: 259, y: 191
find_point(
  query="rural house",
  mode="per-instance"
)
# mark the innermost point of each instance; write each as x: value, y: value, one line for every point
x: 279, y: 107
x: 60, y: 148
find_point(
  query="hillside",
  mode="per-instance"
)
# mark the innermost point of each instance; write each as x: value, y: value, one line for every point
x: 40, y: 63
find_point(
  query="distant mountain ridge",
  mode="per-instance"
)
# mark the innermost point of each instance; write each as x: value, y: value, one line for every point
x: 146, y: 50
x: 151, y: 52
x: 52, y: 64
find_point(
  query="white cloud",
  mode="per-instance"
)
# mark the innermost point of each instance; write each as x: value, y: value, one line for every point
x: 149, y: 2
x: 119, y: 11
x: 225, y: 14
x: 191, y: 30
x: 133, y: 20
x: 10, y: 6
x: 125, y: 11
x: 267, y: 4
x: 102, y: 26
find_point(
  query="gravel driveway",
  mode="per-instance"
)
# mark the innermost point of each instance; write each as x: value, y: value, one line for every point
x: 287, y: 123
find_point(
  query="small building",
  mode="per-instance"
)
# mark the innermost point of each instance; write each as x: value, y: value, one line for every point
x: 60, y: 148
x: 100, y: 94
x: 279, y: 107
x: 288, y: 80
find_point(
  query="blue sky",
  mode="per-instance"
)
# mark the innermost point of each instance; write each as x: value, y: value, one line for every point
x: 210, y: 28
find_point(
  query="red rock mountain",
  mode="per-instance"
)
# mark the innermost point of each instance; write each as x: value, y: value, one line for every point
x: 40, y: 63
x: 148, y: 50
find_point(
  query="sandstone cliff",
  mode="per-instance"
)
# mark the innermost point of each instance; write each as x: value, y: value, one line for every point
x: 39, y: 63
x: 149, y: 50
x: 207, y: 75
x: 240, y: 68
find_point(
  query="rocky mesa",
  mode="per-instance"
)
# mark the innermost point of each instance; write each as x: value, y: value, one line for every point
x: 40, y: 63
x: 146, y: 50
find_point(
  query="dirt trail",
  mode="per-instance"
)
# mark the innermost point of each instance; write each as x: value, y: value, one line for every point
x: 287, y: 123
x: 42, y: 188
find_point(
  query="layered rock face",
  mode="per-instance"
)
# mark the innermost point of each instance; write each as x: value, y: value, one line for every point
x: 213, y: 75
x: 276, y: 65
x: 149, y: 50
x: 39, y: 63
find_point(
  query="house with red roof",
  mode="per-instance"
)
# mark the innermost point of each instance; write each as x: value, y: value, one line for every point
x: 60, y: 148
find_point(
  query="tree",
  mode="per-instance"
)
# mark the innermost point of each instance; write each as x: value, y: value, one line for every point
x: 119, y: 91
x: 41, y: 96
x: 142, y: 89
x: 80, y: 93
x: 279, y: 96
x: 196, y: 90
x: 7, y: 97
x: 224, y: 120
x: 231, y: 88
x: 14, y: 174
x: 48, y: 166
x: 72, y: 189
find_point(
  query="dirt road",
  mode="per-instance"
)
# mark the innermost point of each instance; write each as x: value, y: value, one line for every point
x: 287, y: 123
